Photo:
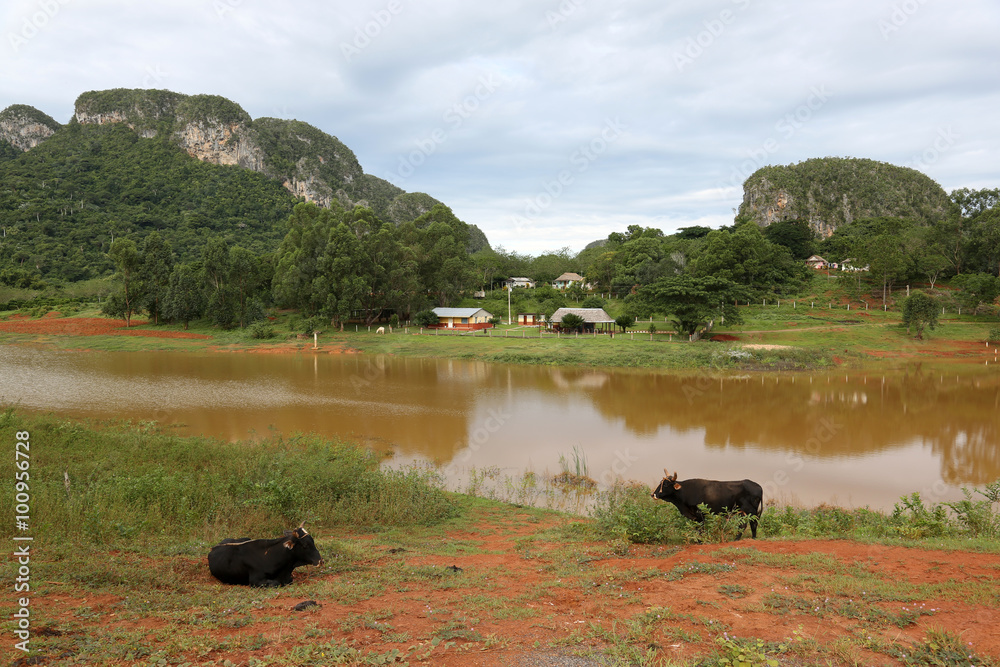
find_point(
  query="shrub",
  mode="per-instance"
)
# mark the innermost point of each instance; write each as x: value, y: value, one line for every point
x: 993, y: 335
x: 260, y: 331
x: 311, y: 325
x: 571, y: 322
x: 425, y: 318
x: 627, y: 511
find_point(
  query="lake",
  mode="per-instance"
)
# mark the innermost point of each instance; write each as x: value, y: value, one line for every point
x: 849, y: 438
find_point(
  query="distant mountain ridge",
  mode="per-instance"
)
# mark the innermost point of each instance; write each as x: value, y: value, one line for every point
x: 190, y: 166
x: 309, y: 163
x: 830, y: 192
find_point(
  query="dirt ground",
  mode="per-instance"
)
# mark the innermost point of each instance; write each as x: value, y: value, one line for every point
x: 506, y: 599
x: 54, y: 324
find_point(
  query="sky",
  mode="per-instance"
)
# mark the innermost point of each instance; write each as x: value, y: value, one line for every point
x: 550, y: 124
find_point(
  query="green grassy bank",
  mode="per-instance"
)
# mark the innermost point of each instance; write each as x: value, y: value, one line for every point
x: 772, y: 338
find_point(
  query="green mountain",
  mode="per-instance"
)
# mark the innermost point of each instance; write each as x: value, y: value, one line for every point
x: 829, y: 192
x: 191, y: 166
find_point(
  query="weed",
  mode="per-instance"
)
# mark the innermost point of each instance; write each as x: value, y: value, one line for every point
x: 913, y: 519
x: 939, y: 648
x: 734, y: 652
x: 696, y: 567
x: 626, y: 511
x: 734, y: 591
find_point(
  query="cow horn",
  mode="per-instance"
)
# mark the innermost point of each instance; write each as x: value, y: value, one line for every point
x: 674, y: 478
x: 666, y: 474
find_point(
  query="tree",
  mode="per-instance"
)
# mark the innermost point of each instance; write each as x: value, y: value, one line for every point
x: 216, y: 272
x: 796, y: 235
x: 184, y: 299
x: 438, y: 242
x: 157, y: 263
x: 624, y: 321
x: 928, y: 254
x: 385, y: 266
x: 425, y: 318
x: 693, y: 302
x: 340, y: 280
x: 571, y: 322
x: 298, y: 257
x: 127, y: 299
x: 882, y: 246
x: 978, y: 289
x: 243, y: 280
x: 920, y: 310
x: 746, y: 257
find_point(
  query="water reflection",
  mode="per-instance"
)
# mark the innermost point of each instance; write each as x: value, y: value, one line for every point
x: 850, y: 438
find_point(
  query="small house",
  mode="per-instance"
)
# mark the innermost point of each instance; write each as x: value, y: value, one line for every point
x: 521, y: 281
x: 530, y: 319
x: 463, y: 318
x: 816, y: 262
x: 594, y: 319
x: 567, y: 280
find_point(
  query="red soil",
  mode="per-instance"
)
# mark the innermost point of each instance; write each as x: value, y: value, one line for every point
x: 526, y: 596
x: 52, y: 324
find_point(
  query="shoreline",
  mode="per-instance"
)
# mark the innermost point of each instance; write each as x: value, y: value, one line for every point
x: 863, y: 346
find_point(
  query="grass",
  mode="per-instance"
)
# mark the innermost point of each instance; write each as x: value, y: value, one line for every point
x: 818, y: 337
x: 143, y: 507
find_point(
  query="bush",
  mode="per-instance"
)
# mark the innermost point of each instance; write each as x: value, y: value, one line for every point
x: 261, y: 331
x: 425, y: 318
x: 592, y: 301
x: 311, y: 325
x: 571, y: 322
x: 993, y: 335
x: 627, y: 511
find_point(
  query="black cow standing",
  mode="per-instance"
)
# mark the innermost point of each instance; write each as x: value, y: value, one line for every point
x: 744, y: 496
x: 264, y: 562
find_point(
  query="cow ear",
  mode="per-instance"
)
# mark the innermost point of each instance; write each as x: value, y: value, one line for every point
x: 289, y: 543
x: 677, y: 487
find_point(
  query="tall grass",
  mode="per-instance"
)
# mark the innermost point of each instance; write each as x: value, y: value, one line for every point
x: 627, y: 512
x: 116, y: 484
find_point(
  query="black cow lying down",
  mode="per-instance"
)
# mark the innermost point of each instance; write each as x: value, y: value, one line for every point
x: 262, y: 562
x: 744, y: 496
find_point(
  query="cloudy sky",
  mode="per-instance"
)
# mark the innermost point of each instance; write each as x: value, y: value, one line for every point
x: 552, y: 123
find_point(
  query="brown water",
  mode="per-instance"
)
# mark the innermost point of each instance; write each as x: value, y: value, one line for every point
x: 852, y: 439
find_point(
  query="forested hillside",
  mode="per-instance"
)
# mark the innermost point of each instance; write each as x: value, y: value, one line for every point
x: 192, y: 167
x: 831, y: 192
x: 63, y: 202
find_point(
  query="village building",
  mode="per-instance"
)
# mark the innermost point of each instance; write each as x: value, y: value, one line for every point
x: 567, y: 280
x: 594, y: 319
x: 816, y: 262
x: 463, y: 318
x: 511, y: 283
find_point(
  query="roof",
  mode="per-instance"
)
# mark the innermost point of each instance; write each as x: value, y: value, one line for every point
x: 569, y: 276
x: 461, y: 312
x: 589, y: 315
x: 815, y: 258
